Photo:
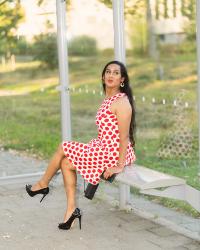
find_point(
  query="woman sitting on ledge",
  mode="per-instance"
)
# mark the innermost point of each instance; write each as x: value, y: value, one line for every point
x: 111, y: 151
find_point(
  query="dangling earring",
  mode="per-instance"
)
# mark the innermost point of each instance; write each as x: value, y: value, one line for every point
x: 122, y: 84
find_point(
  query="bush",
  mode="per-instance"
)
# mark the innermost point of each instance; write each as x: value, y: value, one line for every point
x: 45, y: 50
x: 138, y: 36
x: 187, y: 47
x: 83, y: 46
x: 108, y: 52
x: 190, y: 30
x: 22, y: 47
x: 175, y: 49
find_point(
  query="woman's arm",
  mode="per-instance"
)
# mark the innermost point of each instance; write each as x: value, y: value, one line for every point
x: 123, y: 111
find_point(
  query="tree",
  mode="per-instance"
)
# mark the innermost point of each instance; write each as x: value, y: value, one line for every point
x: 11, y: 14
x: 188, y: 8
x: 152, y: 45
x: 45, y: 50
x: 139, y: 10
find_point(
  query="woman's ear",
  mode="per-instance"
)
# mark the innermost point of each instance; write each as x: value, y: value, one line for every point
x: 122, y: 79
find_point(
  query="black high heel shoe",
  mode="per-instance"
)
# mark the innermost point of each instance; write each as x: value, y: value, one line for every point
x: 67, y: 225
x: 43, y: 191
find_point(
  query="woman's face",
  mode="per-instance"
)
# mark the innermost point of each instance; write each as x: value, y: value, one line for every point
x: 112, y: 77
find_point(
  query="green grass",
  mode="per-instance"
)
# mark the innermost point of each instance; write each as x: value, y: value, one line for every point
x: 30, y: 109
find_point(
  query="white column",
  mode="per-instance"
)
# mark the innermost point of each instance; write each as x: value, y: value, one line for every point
x: 198, y: 66
x: 118, y: 24
x: 122, y: 196
x: 63, y: 69
x: 120, y: 55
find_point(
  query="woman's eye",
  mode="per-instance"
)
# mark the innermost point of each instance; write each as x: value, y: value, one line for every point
x: 108, y: 72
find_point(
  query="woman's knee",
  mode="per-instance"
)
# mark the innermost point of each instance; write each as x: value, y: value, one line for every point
x: 65, y: 164
x: 60, y: 149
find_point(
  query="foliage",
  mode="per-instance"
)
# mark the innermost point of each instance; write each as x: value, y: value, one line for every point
x: 190, y: 30
x: 138, y: 38
x: 83, y: 46
x: 188, y: 8
x: 131, y: 7
x: 45, y: 49
x: 107, y: 2
x: 22, y: 47
x: 11, y: 14
x: 43, y: 2
x: 190, y: 26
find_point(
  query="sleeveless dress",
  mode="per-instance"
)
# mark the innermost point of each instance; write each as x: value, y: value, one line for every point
x: 91, y: 159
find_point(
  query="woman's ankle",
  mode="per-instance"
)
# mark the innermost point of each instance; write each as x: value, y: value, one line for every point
x: 68, y: 213
x: 43, y: 184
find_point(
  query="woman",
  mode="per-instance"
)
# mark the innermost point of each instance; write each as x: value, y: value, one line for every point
x: 111, y: 151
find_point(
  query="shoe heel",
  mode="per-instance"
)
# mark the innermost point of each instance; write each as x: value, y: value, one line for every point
x: 43, y: 197
x: 79, y: 222
x: 43, y: 191
x: 68, y: 224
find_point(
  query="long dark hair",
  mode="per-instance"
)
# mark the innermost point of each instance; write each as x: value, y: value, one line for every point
x: 128, y: 91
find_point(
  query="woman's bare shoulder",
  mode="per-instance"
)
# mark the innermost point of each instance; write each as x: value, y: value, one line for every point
x: 122, y: 104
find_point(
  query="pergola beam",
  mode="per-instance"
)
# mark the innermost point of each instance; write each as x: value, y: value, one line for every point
x: 120, y: 55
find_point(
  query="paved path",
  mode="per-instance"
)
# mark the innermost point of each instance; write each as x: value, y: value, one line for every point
x: 12, y: 163
x: 27, y: 224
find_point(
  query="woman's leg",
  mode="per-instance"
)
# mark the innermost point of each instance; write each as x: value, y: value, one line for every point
x: 53, y: 167
x: 70, y: 180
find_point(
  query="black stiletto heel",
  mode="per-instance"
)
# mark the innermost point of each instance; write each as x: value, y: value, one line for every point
x: 80, y: 222
x: 43, y: 197
x: 67, y: 225
x: 43, y: 191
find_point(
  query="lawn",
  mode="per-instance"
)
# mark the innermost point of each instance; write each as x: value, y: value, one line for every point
x: 30, y: 110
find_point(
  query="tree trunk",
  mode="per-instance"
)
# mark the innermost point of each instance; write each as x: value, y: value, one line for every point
x: 151, y: 36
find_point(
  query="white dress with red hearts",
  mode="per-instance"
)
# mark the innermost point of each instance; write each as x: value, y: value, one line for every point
x: 91, y: 159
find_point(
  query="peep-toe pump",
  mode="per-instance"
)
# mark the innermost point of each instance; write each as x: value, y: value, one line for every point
x: 67, y: 225
x: 43, y: 191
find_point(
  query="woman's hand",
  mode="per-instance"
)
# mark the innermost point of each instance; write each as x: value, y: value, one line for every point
x: 114, y: 170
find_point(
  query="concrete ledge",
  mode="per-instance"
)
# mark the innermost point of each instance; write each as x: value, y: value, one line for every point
x: 22, y: 178
x: 7, y: 180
